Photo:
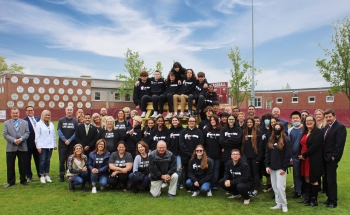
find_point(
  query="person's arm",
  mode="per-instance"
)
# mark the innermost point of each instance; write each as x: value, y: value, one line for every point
x: 208, y: 174
x: 136, y: 98
x: 155, y: 173
x: 70, y: 166
x: 6, y: 134
x: 77, y: 137
x: 182, y: 144
x: 104, y: 167
x: 191, y: 172
x: 25, y: 136
x: 287, y: 154
x: 60, y: 134
x: 260, y: 148
x: 227, y: 174
x: 137, y: 162
x: 91, y: 162
x: 128, y: 167
x: 112, y: 164
x: 52, y: 132
x: 339, y: 143
x: 94, y: 139
x: 245, y: 173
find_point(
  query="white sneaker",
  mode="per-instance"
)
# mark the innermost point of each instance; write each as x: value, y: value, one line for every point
x: 48, y: 179
x: 164, y: 185
x: 246, y: 201
x: 181, y: 115
x: 143, y: 114
x: 168, y: 116
x: 276, y: 207
x: 155, y: 114
x: 285, y: 209
x: 209, y: 193
x: 42, y: 179
x: 175, y: 114
x: 234, y: 196
x: 195, y: 193
x: 94, y: 190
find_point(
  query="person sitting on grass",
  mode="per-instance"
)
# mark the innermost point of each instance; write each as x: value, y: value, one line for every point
x: 237, y: 178
x: 98, y: 165
x: 200, y: 171
x: 77, y: 172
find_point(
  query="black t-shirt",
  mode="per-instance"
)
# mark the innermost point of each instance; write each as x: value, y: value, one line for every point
x: 120, y: 162
x: 121, y: 126
x: 109, y: 137
x: 99, y: 160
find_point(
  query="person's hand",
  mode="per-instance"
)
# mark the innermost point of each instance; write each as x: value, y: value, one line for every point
x: 179, y: 82
x: 124, y: 170
x: 114, y: 174
x: 137, y: 83
x: 333, y: 158
x: 66, y: 142
x: 39, y: 150
x: 205, y: 86
x: 268, y: 170
x: 131, y: 131
x: 227, y: 183
x: 222, y: 150
x: 291, y: 161
x: 18, y: 141
x: 196, y: 184
x: 94, y: 170
x: 179, y: 168
x: 166, y: 177
x: 194, y: 101
x: 301, y: 157
x: 282, y: 172
x: 86, y: 148
x: 84, y: 169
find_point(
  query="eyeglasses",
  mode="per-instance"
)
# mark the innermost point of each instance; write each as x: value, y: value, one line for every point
x: 30, y: 110
x: 235, y: 154
x: 199, y: 150
x: 191, y: 121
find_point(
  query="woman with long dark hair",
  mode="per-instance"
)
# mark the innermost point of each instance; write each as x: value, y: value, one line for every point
x: 147, y: 129
x: 311, y: 159
x: 199, y: 172
x: 212, y: 146
x: 121, y: 123
x: 277, y: 161
x: 265, y: 136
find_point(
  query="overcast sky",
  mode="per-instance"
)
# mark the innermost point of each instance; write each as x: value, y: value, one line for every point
x: 74, y: 37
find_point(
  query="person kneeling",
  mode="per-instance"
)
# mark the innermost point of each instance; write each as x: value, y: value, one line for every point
x: 237, y: 179
x: 77, y: 172
x: 162, y: 167
x: 200, y: 171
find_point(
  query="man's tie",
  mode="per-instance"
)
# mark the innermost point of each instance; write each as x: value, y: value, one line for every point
x: 16, y: 125
x: 33, y: 121
x: 326, y: 134
x: 87, y: 129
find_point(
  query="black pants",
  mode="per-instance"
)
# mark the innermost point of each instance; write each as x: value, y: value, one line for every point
x: 331, y: 181
x: 32, y: 152
x: 121, y: 177
x: 235, y: 189
x: 166, y: 98
x: 10, y: 162
x: 144, y: 100
x: 199, y: 100
x: 185, y: 174
x: 63, y: 154
x: 254, y: 168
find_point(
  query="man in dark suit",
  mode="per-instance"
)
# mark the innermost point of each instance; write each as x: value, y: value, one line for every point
x: 86, y: 135
x: 16, y: 133
x: 333, y: 146
x: 32, y: 151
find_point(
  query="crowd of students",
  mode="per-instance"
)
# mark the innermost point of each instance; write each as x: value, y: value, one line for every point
x: 225, y: 149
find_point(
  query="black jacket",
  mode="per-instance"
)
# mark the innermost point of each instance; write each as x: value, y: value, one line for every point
x: 171, y: 88
x: 334, y: 141
x: 146, y: 135
x: 196, y: 173
x: 279, y: 159
x: 132, y: 140
x: 86, y: 140
x: 157, y: 135
x: 239, y: 173
x: 173, y: 137
x: 188, y: 141
x: 199, y: 90
x: 248, y: 150
x: 140, y: 91
x: 187, y: 86
x: 161, y: 165
x: 212, y: 143
x: 157, y: 86
x: 231, y: 139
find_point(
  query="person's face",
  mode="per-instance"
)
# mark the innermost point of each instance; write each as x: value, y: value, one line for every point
x: 47, y: 117
x: 224, y: 119
x: 156, y: 75
x: 212, y: 121
x: 296, y: 118
x: 199, y: 151
x: 110, y: 124
x: 87, y: 119
x: 273, y: 122
x: 176, y: 69
x: 251, y: 111
x: 201, y: 79
x: 160, y: 122
x: 69, y: 111
x: 120, y: 115
x: 228, y: 110
x: 97, y: 119
x: 121, y: 148
x: 191, y: 122
x: 127, y: 114
x: 235, y: 112
x: 310, y: 124
x: 257, y: 122
x: 304, y: 114
x: 81, y: 119
x: 103, y: 112
x: 172, y: 77
x: 78, y: 150
x: 216, y: 108
x: 329, y: 118
x: 135, y: 123
x: 132, y: 114
x: 211, y: 88
x: 319, y: 116
x: 276, y: 113
x: 141, y: 148
x: 144, y: 78
x: 241, y: 117
x: 30, y: 111
x: 277, y: 127
x: 14, y: 114
x: 231, y: 120
x: 150, y: 123
x: 189, y: 74
x: 209, y: 113
x: 101, y: 146
x: 161, y: 148
x: 175, y: 122
x: 235, y: 156
x: 250, y: 123
x: 79, y: 111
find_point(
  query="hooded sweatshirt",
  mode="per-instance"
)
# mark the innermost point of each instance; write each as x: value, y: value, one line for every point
x: 173, y: 137
x: 230, y: 139
x: 239, y: 173
x: 140, y: 91
x: 189, y: 139
x: 212, y: 143
x: 157, y: 135
x: 279, y: 159
x: 196, y: 173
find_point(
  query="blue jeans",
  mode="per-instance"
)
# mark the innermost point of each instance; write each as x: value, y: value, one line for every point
x: 204, y: 188
x: 44, y: 161
x: 179, y: 172
x: 80, y: 179
x: 216, y: 168
x: 101, y: 178
x: 297, y: 175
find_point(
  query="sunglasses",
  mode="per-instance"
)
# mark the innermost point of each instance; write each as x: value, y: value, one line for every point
x: 199, y: 150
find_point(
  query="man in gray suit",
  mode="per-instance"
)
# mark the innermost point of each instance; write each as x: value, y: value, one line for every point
x: 16, y: 133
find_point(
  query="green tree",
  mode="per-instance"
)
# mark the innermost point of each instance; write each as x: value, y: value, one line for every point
x: 6, y: 69
x: 133, y: 66
x: 336, y: 68
x: 240, y: 85
x: 159, y: 67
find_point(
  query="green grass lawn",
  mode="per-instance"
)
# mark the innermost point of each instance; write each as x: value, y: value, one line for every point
x: 55, y: 198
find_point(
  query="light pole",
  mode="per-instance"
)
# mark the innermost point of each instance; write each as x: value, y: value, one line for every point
x: 252, y: 93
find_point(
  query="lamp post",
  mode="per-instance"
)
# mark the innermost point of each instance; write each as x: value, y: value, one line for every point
x: 252, y: 93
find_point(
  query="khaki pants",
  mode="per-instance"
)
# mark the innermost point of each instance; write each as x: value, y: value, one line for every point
x: 183, y: 99
x: 156, y: 186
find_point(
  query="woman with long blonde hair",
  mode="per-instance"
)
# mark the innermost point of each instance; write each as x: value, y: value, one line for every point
x: 77, y: 172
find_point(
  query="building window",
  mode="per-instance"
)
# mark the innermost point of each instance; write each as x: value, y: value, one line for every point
x: 312, y: 99
x: 127, y: 97
x: 329, y: 98
x: 294, y: 99
x: 97, y: 96
x: 279, y: 100
x: 117, y: 96
x: 268, y: 104
x: 257, y: 101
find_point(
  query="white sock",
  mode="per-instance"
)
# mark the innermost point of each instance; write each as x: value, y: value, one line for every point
x: 155, y: 112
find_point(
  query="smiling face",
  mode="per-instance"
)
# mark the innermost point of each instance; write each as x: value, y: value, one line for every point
x: 78, y: 150
x: 231, y: 120
x: 199, y: 151
x: 121, y: 149
x: 69, y: 112
x: 141, y: 148
x: 161, y: 148
x: 87, y: 119
x: 273, y: 122
x: 250, y: 123
x: 251, y: 111
x: 120, y: 115
x: 156, y: 75
x: 160, y: 122
x: 212, y: 121
x: 192, y: 122
x: 14, y: 114
x: 319, y: 116
x: 30, y: 111
x: 150, y: 123
x: 101, y: 146
x: 110, y: 123
x: 175, y: 122
x: 47, y: 117
x: 329, y: 118
x: 310, y: 123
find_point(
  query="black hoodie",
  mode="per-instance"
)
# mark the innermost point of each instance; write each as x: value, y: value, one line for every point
x: 199, y: 90
x: 196, y: 173
x: 140, y: 91
x: 146, y: 134
x: 279, y: 159
x: 171, y: 88
x: 187, y: 86
x: 189, y: 139
x: 157, y: 86
x: 248, y: 150
x: 132, y: 139
x: 173, y: 137
x: 180, y: 74
x: 212, y: 143
x: 231, y: 139
x: 157, y: 135
x: 239, y: 173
